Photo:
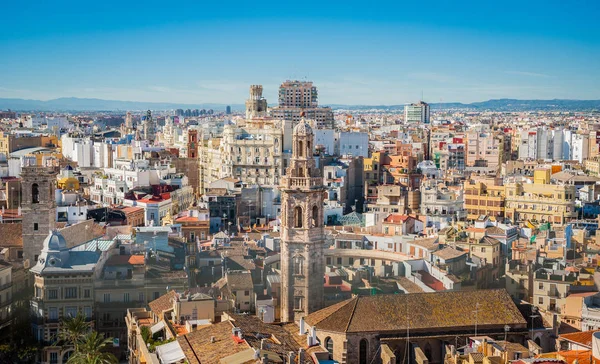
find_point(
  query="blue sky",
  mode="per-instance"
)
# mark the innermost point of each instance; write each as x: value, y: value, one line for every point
x: 373, y: 52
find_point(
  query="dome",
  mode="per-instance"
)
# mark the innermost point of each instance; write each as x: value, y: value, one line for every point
x: 55, y: 241
x: 303, y: 128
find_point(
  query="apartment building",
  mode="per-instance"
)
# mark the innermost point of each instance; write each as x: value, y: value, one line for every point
x: 298, y: 98
x: 540, y: 201
x: 484, y: 149
x: 484, y: 196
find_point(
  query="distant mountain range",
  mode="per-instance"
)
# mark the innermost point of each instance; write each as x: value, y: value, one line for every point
x: 81, y: 104
x: 495, y: 105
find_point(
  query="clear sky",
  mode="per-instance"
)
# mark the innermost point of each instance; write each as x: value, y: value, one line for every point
x: 370, y: 52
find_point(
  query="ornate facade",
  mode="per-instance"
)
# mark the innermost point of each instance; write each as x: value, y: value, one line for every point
x: 303, y: 238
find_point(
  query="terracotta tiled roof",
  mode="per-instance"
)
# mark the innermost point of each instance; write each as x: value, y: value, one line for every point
x: 427, y: 243
x: 494, y: 230
x: 449, y: 253
x: 428, y: 311
x: 581, y: 338
x: 198, y: 348
x: 125, y: 260
x: 12, y: 235
x: 396, y: 218
x: 162, y: 303
x: 239, y: 281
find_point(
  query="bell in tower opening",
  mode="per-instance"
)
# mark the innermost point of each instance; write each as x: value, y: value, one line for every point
x: 303, y: 238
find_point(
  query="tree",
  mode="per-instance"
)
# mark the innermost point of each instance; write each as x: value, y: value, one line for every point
x: 90, y: 350
x: 73, y: 330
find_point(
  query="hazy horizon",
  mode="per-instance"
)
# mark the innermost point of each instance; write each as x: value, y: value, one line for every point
x: 369, y: 54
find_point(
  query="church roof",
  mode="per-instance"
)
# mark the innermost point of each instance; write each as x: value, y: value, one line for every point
x: 448, y: 311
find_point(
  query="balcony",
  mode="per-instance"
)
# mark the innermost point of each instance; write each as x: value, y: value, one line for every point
x: 302, y: 182
x: 554, y: 293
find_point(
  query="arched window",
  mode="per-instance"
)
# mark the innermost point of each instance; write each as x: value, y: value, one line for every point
x: 329, y: 346
x: 297, y: 217
x: 300, y: 149
x: 35, y: 193
x: 299, y: 265
x: 363, y: 351
x: 315, y: 216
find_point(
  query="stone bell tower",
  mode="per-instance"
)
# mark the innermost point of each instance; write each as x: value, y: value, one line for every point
x: 303, y: 238
x: 38, y: 184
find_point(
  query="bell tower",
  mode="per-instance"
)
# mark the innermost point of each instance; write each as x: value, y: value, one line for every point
x: 38, y: 184
x: 303, y: 238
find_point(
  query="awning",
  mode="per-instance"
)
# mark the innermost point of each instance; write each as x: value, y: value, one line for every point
x: 170, y: 353
x: 157, y: 327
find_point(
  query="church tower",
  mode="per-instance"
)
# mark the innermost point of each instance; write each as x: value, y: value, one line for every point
x: 303, y: 238
x: 38, y: 184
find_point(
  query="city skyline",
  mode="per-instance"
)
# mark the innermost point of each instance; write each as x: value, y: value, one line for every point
x: 373, y: 54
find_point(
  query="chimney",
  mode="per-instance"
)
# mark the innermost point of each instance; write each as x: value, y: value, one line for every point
x: 291, y: 357
x: 263, y: 344
x: 301, y: 325
x: 212, y: 339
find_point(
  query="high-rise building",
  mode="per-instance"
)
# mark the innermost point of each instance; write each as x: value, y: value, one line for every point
x: 298, y: 94
x: 417, y: 113
x: 302, y: 237
x: 38, y: 184
x: 228, y: 110
x: 300, y: 97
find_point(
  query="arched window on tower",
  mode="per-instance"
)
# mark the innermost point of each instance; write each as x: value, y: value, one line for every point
x: 315, y: 216
x: 297, y: 217
x: 35, y: 193
x: 300, y: 149
x: 299, y: 265
x: 363, y: 350
x: 308, y: 149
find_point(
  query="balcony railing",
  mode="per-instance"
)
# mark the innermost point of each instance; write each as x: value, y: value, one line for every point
x: 302, y: 182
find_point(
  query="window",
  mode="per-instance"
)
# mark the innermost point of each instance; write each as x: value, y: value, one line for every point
x: 38, y: 292
x: 53, y: 313
x: 71, y: 292
x: 86, y: 293
x: 107, y: 298
x: 35, y: 193
x: 87, y: 312
x: 329, y: 346
x: 71, y: 311
x: 541, y: 285
x: 53, y: 358
x: 339, y: 261
x: 297, y: 303
x: 328, y: 260
x: 126, y: 297
x: 297, y: 217
x: 364, y: 349
x: 52, y: 294
x: 315, y: 216
x: 35, y: 226
x: 541, y: 300
x: 246, y: 293
x: 351, y: 260
x: 141, y: 296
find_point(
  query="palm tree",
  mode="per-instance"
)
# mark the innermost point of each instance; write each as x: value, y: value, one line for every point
x: 90, y: 350
x: 73, y: 329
